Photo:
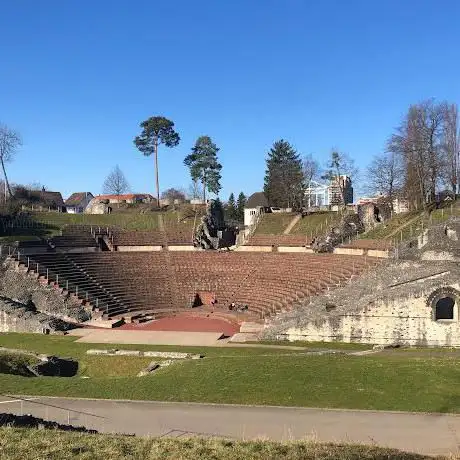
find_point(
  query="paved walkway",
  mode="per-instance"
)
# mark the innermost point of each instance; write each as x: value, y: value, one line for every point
x: 429, y: 434
x: 292, y: 224
x: 118, y: 336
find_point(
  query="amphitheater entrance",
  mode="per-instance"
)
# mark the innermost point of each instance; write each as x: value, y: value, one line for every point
x: 203, y: 298
x: 444, y: 308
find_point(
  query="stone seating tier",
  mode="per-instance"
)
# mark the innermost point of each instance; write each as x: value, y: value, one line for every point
x: 125, y: 283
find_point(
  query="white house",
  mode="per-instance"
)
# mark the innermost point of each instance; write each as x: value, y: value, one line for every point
x: 77, y: 202
x: 254, y: 207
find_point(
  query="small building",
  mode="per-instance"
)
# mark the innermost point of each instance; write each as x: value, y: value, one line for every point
x: 316, y: 195
x: 319, y: 195
x: 340, y: 185
x: 399, y: 205
x: 127, y: 198
x: 46, y: 201
x: 255, y: 206
x: 77, y: 202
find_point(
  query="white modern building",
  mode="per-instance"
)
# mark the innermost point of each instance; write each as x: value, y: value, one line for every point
x: 319, y: 195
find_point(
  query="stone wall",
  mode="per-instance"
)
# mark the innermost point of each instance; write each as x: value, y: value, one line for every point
x: 16, y: 317
x: 18, y: 285
x: 407, y: 322
x: 393, y: 304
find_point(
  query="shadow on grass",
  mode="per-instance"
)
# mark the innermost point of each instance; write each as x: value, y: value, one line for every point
x: 22, y: 227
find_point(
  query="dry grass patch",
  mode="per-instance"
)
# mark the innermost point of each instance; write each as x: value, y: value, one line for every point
x: 20, y: 444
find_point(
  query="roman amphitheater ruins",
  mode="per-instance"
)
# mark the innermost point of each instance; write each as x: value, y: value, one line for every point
x: 284, y: 287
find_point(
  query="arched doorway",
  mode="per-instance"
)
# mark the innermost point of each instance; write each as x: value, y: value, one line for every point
x: 444, y: 308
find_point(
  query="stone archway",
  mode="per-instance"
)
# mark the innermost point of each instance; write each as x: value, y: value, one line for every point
x: 444, y: 303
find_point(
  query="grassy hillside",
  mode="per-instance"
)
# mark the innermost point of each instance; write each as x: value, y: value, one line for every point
x: 405, y: 225
x: 37, y: 225
x: 22, y: 443
x: 391, y: 226
x: 315, y: 223
x: 394, y: 380
x: 15, y: 363
x: 274, y: 223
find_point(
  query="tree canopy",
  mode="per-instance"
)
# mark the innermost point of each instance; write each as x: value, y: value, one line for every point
x: 231, y: 208
x: 426, y: 144
x: 240, y: 204
x: 155, y: 131
x: 284, y: 178
x: 173, y: 194
x: 204, y: 165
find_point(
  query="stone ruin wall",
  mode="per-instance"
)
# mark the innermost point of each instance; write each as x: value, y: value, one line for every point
x: 35, y: 306
x: 398, y: 321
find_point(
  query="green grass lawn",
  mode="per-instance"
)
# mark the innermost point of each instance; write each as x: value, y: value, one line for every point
x: 383, y: 231
x: 315, y: 223
x: 316, y: 345
x: 250, y: 375
x: 274, y: 223
x: 22, y: 443
x: 130, y: 221
x: 15, y: 363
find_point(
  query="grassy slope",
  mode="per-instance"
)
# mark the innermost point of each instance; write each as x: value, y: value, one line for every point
x: 47, y: 224
x: 314, y: 223
x: 261, y: 376
x: 132, y: 221
x: 419, y: 220
x: 274, y: 223
x: 19, y: 444
x: 14, y: 363
x: 383, y: 231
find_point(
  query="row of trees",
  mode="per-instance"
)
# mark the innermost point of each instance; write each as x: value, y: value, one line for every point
x: 234, y: 210
x: 421, y: 156
x: 287, y: 175
x: 202, y: 162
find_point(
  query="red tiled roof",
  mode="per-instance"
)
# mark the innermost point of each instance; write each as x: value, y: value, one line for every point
x: 76, y: 198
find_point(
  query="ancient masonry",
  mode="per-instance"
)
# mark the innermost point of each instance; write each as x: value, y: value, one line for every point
x: 28, y: 306
x: 407, y: 302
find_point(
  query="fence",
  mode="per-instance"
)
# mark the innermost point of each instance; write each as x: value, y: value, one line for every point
x: 53, y: 277
x: 18, y: 405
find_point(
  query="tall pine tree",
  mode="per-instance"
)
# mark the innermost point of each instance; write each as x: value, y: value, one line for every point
x: 240, y: 204
x: 204, y: 165
x: 283, y: 184
x: 231, y: 207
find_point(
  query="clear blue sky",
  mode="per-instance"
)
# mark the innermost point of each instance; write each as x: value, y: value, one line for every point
x: 77, y: 77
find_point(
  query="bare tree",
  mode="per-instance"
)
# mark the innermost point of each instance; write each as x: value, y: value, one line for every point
x: 310, y: 169
x: 173, y: 194
x: 451, y: 145
x: 116, y: 183
x: 10, y: 141
x: 385, y: 175
x: 194, y: 190
x: 418, y: 143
